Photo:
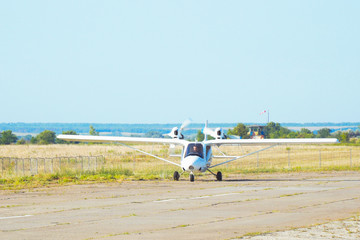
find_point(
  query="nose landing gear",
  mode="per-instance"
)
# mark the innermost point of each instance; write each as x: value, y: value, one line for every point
x: 218, y: 176
x: 176, y: 176
x: 192, y: 177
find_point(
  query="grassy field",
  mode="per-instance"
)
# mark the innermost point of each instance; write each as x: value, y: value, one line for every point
x: 121, y: 163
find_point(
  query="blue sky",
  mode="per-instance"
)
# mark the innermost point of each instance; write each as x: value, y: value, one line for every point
x: 165, y: 61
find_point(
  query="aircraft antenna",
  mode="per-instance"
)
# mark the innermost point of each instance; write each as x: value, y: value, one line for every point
x: 205, y: 135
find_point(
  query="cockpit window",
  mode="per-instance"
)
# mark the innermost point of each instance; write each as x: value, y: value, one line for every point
x: 195, y: 149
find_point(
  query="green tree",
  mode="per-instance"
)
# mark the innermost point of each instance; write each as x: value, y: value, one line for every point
x: 306, y: 133
x: 27, y: 138
x: 33, y: 140
x: 92, y: 131
x: 7, y: 137
x: 336, y: 135
x: 323, y: 133
x: 239, y: 130
x: 70, y: 132
x: 275, y: 130
x: 293, y: 134
x: 357, y: 133
x: 344, y: 137
x: 200, y: 136
x: 153, y: 134
x: 46, y: 137
x: 21, y: 141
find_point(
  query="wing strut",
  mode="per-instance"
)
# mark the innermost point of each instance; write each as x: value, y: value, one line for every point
x: 149, y: 154
x: 223, y: 154
x: 243, y: 156
x: 220, y: 151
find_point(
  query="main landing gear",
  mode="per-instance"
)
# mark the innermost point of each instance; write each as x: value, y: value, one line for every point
x: 176, y: 176
x: 219, y: 176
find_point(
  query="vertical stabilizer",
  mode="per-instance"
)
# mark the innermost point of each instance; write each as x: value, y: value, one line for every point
x: 205, y: 135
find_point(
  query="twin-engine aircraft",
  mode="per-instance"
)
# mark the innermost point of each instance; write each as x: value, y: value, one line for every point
x: 197, y: 156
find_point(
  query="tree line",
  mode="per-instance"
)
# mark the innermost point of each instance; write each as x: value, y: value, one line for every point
x: 118, y: 128
x: 45, y: 137
x: 275, y: 130
x: 271, y: 130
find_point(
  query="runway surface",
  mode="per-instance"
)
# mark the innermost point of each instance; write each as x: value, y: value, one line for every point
x: 205, y: 209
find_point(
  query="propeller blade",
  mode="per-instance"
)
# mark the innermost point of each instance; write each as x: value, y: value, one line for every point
x: 185, y: 123
x: 176, y: 132
x: 208, y: 131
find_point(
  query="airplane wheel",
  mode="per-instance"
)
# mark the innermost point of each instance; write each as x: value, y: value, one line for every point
x: 176, y: 176
x: 192, y: 177
x: 219, y: 176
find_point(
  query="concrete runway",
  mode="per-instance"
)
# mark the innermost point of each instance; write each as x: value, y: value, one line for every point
x: 205, y: 209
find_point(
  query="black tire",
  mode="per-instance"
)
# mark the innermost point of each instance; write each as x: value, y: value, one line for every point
x: 219, y: 176
x: 176, y: 176
x: 192, y: 177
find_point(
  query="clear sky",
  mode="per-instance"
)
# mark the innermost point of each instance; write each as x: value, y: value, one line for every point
x: 164, y: 61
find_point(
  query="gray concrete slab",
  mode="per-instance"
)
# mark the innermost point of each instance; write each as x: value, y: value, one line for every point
x: 204, y: 209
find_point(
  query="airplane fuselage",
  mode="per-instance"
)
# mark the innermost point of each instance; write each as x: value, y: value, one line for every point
x: 196, y: 157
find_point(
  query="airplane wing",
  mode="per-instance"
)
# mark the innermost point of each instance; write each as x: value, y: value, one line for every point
x: 274, y: 141
x: 108, y: 139
x: 122, y: 140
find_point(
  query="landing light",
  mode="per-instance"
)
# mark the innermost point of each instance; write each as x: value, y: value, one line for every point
x: 191, y: 167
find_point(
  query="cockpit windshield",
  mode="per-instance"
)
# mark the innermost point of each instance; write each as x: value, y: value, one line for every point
x: 195, y: 149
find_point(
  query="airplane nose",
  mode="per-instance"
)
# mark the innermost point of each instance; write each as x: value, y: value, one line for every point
x: 193, y: 163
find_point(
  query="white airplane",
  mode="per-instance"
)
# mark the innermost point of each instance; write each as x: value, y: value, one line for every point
x: 197, y: 156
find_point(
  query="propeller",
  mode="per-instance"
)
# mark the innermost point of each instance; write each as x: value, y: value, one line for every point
x: 217, y: 133
x: 184, y: 125
x: 209, y: 131
x: 176, y: 132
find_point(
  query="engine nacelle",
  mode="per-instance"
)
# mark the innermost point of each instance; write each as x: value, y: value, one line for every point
x: 219, y: 133
x: 175, y: 133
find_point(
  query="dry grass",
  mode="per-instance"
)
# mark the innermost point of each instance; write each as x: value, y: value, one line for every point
x: 295, y: 157
x: 280, y: 158
x: 57, y: 150
x: 124, y: 163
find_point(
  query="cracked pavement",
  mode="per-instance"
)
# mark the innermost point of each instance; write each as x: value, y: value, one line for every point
x: 240, y: 205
